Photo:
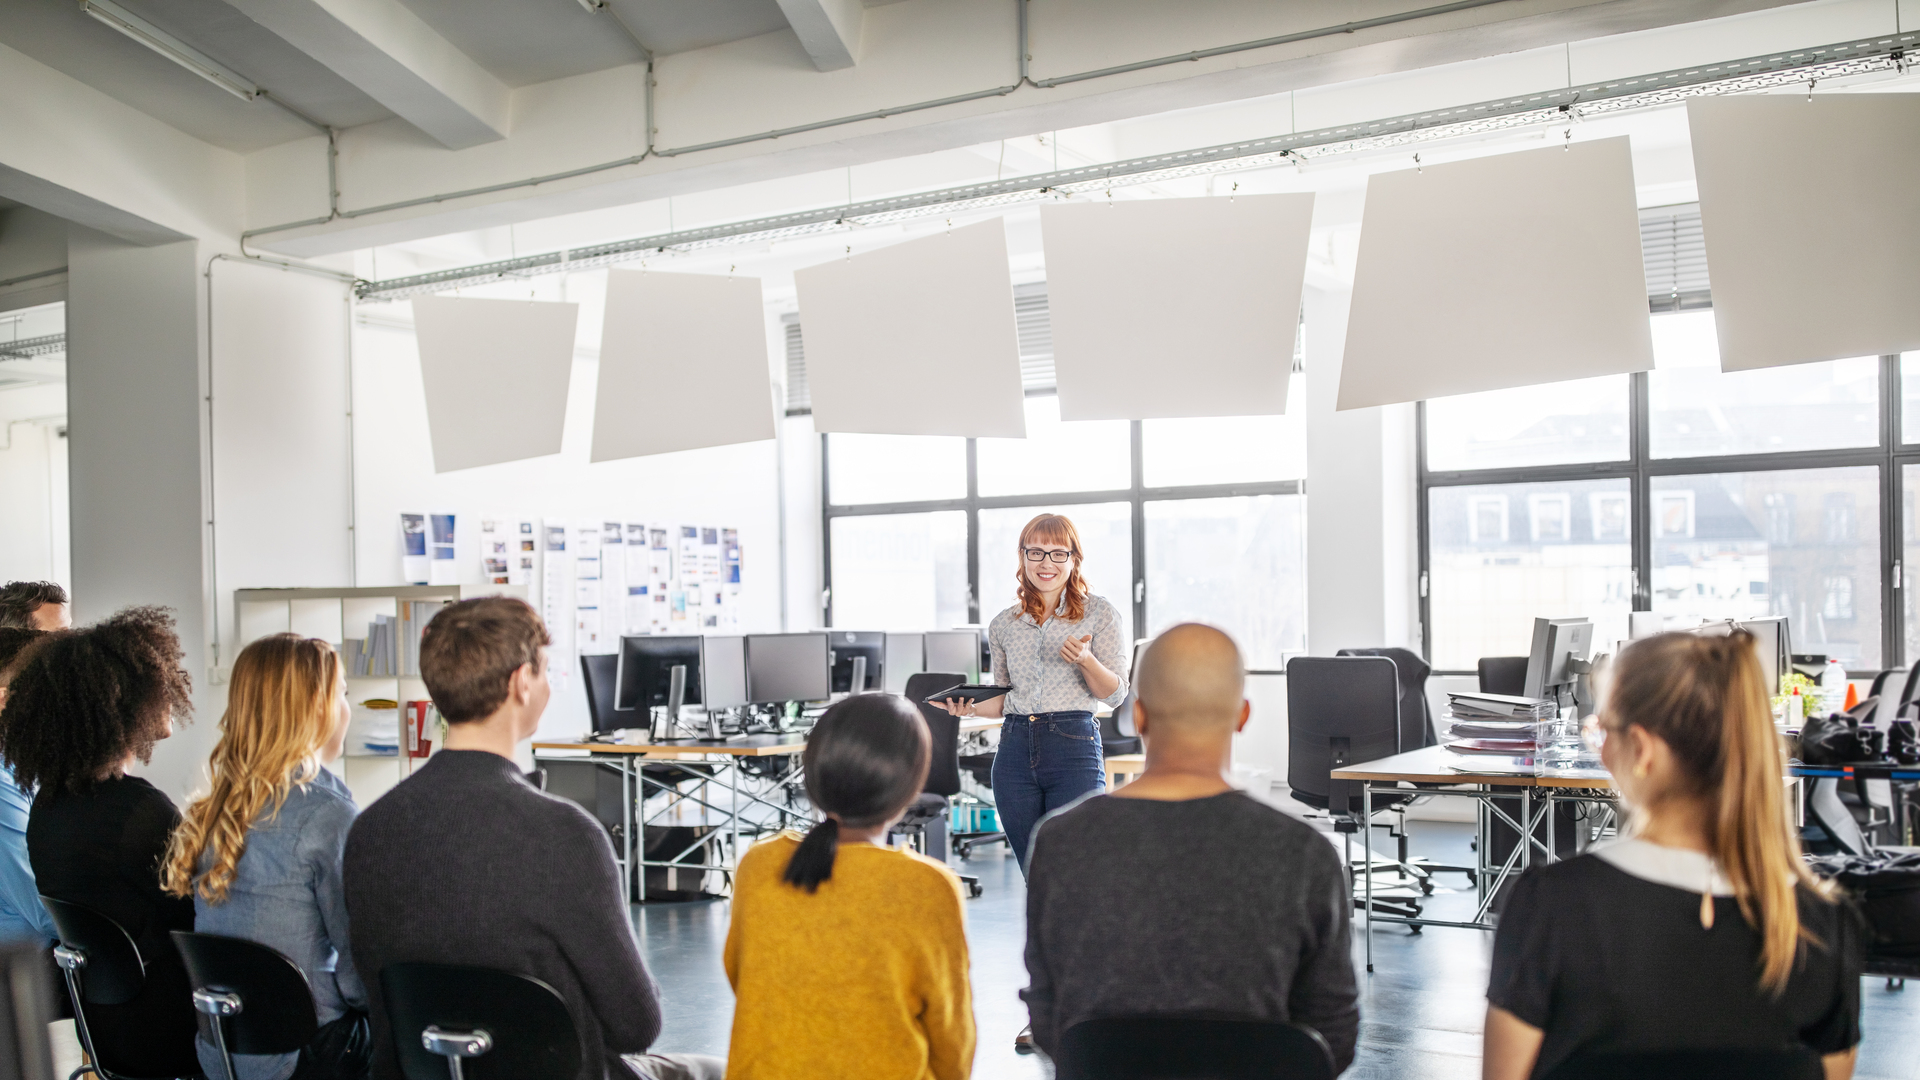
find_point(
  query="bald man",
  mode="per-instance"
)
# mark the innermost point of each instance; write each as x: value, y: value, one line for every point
x: 1179, y: 894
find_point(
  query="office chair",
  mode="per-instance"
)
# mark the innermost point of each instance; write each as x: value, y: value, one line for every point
x: 1417, y: 731
x: 1342, y: 710
x: 978, y: 766
x: 929, y: 814
x: 476, y: 1023
x: 1117, y: 733
x: 1167, y: 1047
x: 1503, y: 675
x: 255, y: 1000
x: 600, y: 674
x: 1719, y: 1063
x: 102, y: 966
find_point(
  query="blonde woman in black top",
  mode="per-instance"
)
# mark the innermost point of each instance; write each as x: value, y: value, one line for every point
x: 1701, y: 932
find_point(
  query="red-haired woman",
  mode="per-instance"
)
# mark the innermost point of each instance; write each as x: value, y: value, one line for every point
x: 1059, y: 648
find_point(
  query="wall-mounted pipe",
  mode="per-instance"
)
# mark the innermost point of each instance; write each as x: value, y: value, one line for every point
x: 1024, y: 80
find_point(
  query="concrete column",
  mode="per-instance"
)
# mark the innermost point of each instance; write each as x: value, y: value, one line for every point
x: 1362, y: 558
x: 136, y: 465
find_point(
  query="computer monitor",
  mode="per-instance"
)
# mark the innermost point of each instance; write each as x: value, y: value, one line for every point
x: 723, y: 672
x: 906, y: 657
x: 1771, y: 640
x: 1556, y: 641
x: 787, y: 667
x: 954, y: 652
x: 845, y: 646
x: 645, y: 674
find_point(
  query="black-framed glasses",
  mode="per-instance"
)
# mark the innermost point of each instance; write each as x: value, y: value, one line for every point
x: 1057, y: 555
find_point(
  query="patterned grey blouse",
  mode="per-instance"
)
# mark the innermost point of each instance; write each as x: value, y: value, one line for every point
x: 1026, y: 656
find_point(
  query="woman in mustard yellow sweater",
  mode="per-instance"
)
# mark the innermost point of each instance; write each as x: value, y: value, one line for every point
x: 834, y: 925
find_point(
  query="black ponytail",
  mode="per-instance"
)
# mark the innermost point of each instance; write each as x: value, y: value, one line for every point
x: 866, y: 761
x: 812, y: 861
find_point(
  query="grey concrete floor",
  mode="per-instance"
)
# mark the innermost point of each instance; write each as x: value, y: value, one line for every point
x: 1421, y: 1008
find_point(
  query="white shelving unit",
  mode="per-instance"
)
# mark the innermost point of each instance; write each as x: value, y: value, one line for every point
x: 334, y: 615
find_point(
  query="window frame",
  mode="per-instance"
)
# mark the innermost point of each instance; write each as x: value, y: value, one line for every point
x: 1136, y: 495
x: 1888, y: 456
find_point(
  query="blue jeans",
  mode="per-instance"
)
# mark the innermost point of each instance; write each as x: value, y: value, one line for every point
x: 1045, y: 761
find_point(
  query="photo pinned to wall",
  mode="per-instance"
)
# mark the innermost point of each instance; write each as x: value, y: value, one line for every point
x: 441, y: 567
x: 588, y: 639
x: 507, y: 551
x: 413, y: 549
x: 556, y: 600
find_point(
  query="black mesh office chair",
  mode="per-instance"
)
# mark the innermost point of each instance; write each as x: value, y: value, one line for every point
x: 254, y: 999
x: 475, y: 1023
x: 1720, y: 1063
x: 103, y: 967
x: 1117, y: 733
x: 1503, y: 675
x: 926, y: 820
x: 1167, y: 1047
x: 1343, y: 710
x: 1417, y: 730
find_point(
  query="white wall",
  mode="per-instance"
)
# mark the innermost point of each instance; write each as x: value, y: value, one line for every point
x: 33, y: 485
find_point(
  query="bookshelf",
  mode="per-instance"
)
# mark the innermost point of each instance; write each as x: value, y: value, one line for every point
x: 344, y: 617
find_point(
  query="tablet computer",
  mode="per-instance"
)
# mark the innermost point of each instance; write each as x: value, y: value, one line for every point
x: 966, y: 693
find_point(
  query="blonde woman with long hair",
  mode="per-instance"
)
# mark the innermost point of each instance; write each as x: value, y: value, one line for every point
x: 1700, y: 935
x: 260, y: 852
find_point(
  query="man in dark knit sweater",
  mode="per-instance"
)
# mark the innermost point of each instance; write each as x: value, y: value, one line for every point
x: 465, y: 862
x: 1178, y: 895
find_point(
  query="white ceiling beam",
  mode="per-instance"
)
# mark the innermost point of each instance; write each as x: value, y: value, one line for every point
x: 828, y: 29
x: 396, y: 59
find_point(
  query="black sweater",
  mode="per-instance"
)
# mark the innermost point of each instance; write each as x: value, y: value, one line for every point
x: 465, y: 862
x: 102, y: 848
x: 1220, y: 907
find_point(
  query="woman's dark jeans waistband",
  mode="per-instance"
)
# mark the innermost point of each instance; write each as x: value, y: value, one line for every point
x: 1049, y: 717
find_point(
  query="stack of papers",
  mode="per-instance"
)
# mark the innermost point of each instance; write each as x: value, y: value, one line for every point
x: 1465, y: 706
x: 1495, y: 723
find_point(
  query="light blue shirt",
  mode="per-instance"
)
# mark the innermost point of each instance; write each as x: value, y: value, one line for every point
x: 21, y: 914
x: 287, y: 895
x: 1026, y: 656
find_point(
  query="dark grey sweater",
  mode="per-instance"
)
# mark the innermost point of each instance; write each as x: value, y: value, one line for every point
x: 1220, y: 907
x: 465, y: 862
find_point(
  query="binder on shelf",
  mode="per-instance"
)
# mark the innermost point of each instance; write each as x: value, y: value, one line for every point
x: 423, y: 722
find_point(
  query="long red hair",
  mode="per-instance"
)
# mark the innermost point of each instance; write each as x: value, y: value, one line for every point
x: 1054, y: 529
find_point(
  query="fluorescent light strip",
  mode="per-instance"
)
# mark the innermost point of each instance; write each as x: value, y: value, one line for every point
x: 170, y: 47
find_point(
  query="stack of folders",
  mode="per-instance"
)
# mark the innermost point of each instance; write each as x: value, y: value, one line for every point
x: 373, y: 656
x: 414, y: 617
x: 1496, y: 723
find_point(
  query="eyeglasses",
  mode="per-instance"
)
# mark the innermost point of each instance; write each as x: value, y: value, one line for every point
x: 1041, y: 554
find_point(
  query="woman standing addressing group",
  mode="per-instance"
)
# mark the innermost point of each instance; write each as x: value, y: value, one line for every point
x: 1058, y: 647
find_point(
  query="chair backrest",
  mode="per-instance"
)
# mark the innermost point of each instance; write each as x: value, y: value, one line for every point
x: 600, y: 674
x: 1341, y: 710
x: 943, y: 774
x: 1164, y: 1047
x: 1503, y: 675
x: 1832, y: 815
x: 1719, y: 1063
x: 1416, y: 716
x: 527, y: 1021
x: 1122, y: 720
x: 276, y: 1005
x: 115, y: 971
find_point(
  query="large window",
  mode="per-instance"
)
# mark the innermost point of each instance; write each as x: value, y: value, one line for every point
x: 1685, y: 491
x: 1181, y: 520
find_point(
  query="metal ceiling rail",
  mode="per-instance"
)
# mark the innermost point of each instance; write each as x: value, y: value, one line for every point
x: 1611, y: 97
x: 28, y: 348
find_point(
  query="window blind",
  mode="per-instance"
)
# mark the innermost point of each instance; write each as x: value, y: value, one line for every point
x: 1674, y: 248
x: 798, y: 401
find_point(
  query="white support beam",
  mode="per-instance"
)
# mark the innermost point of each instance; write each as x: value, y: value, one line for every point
x: 396, y: 59
x: 828, y: 29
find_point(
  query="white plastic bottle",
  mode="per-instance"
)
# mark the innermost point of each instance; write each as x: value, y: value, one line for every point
x: 1833, y: 687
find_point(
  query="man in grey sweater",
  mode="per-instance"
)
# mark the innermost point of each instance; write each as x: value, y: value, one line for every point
x: 1178, y: 895
x: 465, y: 862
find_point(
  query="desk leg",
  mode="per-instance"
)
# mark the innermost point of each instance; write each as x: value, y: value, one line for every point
x: 733, y: 783
x: 1526, y: 828
x: 1366, y: 856
x: 629, y: 820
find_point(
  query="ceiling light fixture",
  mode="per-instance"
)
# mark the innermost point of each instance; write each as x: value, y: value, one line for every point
x: 593, y: 5
x: 170, y: 47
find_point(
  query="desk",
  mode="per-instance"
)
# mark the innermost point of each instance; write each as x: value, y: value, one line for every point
x: 725, y: 757
x: 1438, y: 765
x: 972, y: 724
x: 1124, y: 765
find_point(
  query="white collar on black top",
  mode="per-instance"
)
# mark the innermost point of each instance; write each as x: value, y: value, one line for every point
x: 1673, y: 867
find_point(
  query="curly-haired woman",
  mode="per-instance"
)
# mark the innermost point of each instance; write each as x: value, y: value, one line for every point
x: 82, y: 707
x: 259, y: 854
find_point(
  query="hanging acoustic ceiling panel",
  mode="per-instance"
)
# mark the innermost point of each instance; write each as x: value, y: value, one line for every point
x: 683, y: 364
x: 1175, y: 307
x: 1501, y: 271
x: 1811, y: 207
x: 915, y: 339
x: 496, y: 376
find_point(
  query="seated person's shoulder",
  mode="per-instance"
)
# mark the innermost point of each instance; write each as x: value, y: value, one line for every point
x: 921, y: 874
